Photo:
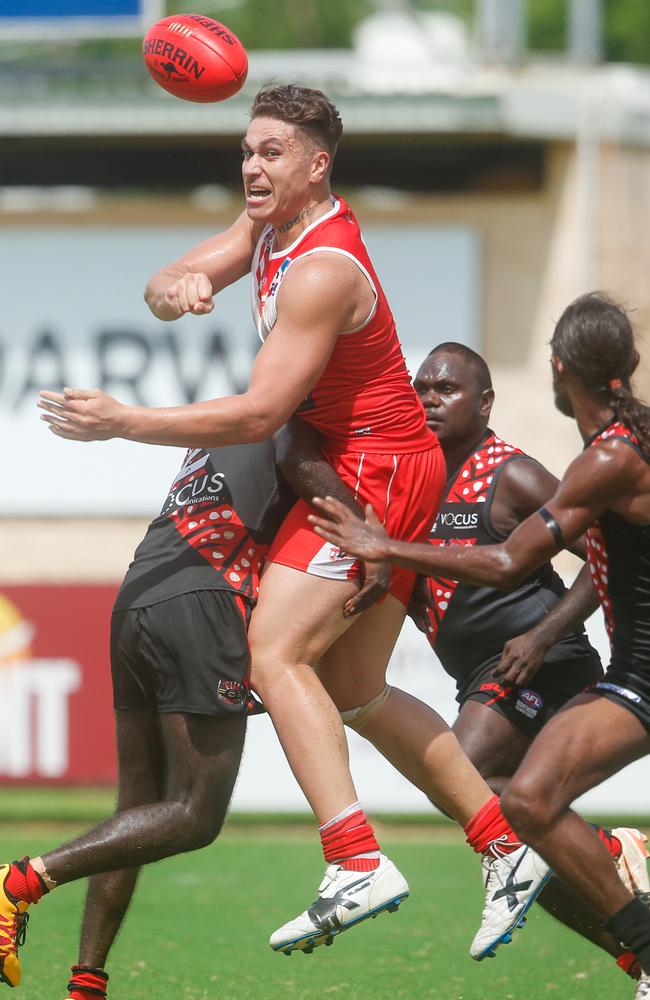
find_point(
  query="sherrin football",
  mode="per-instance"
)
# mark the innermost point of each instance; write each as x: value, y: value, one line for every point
x: 194, y: 57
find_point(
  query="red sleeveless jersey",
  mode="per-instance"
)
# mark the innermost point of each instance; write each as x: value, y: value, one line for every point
x: 364, y: 400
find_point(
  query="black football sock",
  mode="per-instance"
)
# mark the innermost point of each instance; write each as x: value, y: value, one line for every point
x: 631, y: 926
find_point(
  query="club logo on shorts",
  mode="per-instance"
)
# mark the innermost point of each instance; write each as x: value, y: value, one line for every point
x: 231, y: 692
x: 529, y: 703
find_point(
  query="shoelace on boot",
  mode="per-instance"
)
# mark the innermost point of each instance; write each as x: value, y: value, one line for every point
x: 13, y: 931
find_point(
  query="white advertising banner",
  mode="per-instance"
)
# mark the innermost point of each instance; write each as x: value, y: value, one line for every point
x: 73, y: 314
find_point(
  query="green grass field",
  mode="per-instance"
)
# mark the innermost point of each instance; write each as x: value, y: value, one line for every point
x: 199, y: 925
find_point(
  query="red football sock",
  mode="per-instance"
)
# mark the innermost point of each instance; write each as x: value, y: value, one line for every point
x: 611, y: 842
x: 87, y: 983
x: 630, y: 964
x: 24, y: 883
x: 489, y: 832
x: 349, y: 840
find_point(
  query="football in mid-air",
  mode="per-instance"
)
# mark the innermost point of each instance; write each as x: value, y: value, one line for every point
x: 195, y: 57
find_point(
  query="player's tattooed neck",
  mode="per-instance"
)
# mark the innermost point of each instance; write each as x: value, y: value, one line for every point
x: 306, y: 212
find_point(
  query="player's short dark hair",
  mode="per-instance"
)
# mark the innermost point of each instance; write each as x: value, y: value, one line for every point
x: 481, y: 370
x: 594, y: 338
x: 310, y: 110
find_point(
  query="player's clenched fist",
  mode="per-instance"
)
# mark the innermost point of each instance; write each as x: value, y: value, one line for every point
x: 190, y: 294
x: 171, y: 294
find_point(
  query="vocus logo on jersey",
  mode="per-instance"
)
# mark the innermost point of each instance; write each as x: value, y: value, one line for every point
x: 454, y: 519
x: 461, y: 520
x: 34, y: 694
x: 195, y: 483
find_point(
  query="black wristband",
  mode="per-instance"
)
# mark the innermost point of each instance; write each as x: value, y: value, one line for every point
x: 552, y: 526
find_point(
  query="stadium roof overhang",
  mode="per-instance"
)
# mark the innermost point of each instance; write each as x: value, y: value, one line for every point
x: 541, y: 100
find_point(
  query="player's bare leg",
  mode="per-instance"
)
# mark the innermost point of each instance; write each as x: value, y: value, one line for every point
x: 585, y: 743
x: 140, y: 782
x: 423, y: 748
x: 410, y: 734
x: 496, y: 747
x: 202, y: 757
x: 297, y: 618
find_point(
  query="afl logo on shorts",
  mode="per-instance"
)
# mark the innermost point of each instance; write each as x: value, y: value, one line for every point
x: 531, y: 698
x: 230, y: 692
x: 529, y: 703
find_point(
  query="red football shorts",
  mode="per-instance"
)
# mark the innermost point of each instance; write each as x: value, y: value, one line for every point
x: 405, y: 491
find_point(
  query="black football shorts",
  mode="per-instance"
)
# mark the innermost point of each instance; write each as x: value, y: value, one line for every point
x: 529, y: 708
x: 187, y: 654
x: 631, y: 690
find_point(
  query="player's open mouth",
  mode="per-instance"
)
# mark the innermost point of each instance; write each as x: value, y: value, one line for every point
x: 257, y: 193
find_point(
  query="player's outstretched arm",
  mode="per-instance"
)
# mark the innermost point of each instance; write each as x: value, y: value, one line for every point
x: 523, y: 656
x: 315, y: 305
x: 300, y: 459
x: 188, y: 284
x: 593, y: 482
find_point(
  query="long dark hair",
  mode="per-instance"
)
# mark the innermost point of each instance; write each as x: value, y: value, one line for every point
x: 594, y: 338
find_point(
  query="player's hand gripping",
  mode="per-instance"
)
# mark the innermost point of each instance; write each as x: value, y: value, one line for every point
x: 421, y: 602
x: 82, y: 414
x: 521, y: 659
x: 376, y: 583
x: 190, y: 294
x: 364, y: 539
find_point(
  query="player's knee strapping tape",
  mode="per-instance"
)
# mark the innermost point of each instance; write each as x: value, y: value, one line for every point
x: 356, y: 718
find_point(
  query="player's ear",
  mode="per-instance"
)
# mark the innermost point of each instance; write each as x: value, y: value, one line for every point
x: 320, y: 166
x: 487, y: 400
x: 557, y: 365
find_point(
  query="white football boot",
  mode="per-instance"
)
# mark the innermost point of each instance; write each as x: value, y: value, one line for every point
x: 632, y: 865
x: 643, y: 988
x: 512, y: 884
x: 344, y: 899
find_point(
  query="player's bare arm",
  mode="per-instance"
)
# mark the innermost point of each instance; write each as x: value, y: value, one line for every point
x: 189, y: 284
x: 301, y: 461
x: 523, y: 487
x: 594, y: 482
x: 318, y: 300
x: 523, y: 656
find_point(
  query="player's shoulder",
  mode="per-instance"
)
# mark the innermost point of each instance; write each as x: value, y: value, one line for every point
x: 325, y: 269
x: 604, y: 470
x: 615, y: 459
x: 616, y: 452
x: 513, y: 465
x: 524, y: 483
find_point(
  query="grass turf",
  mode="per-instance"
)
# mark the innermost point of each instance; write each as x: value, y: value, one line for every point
x: 199, y: 925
